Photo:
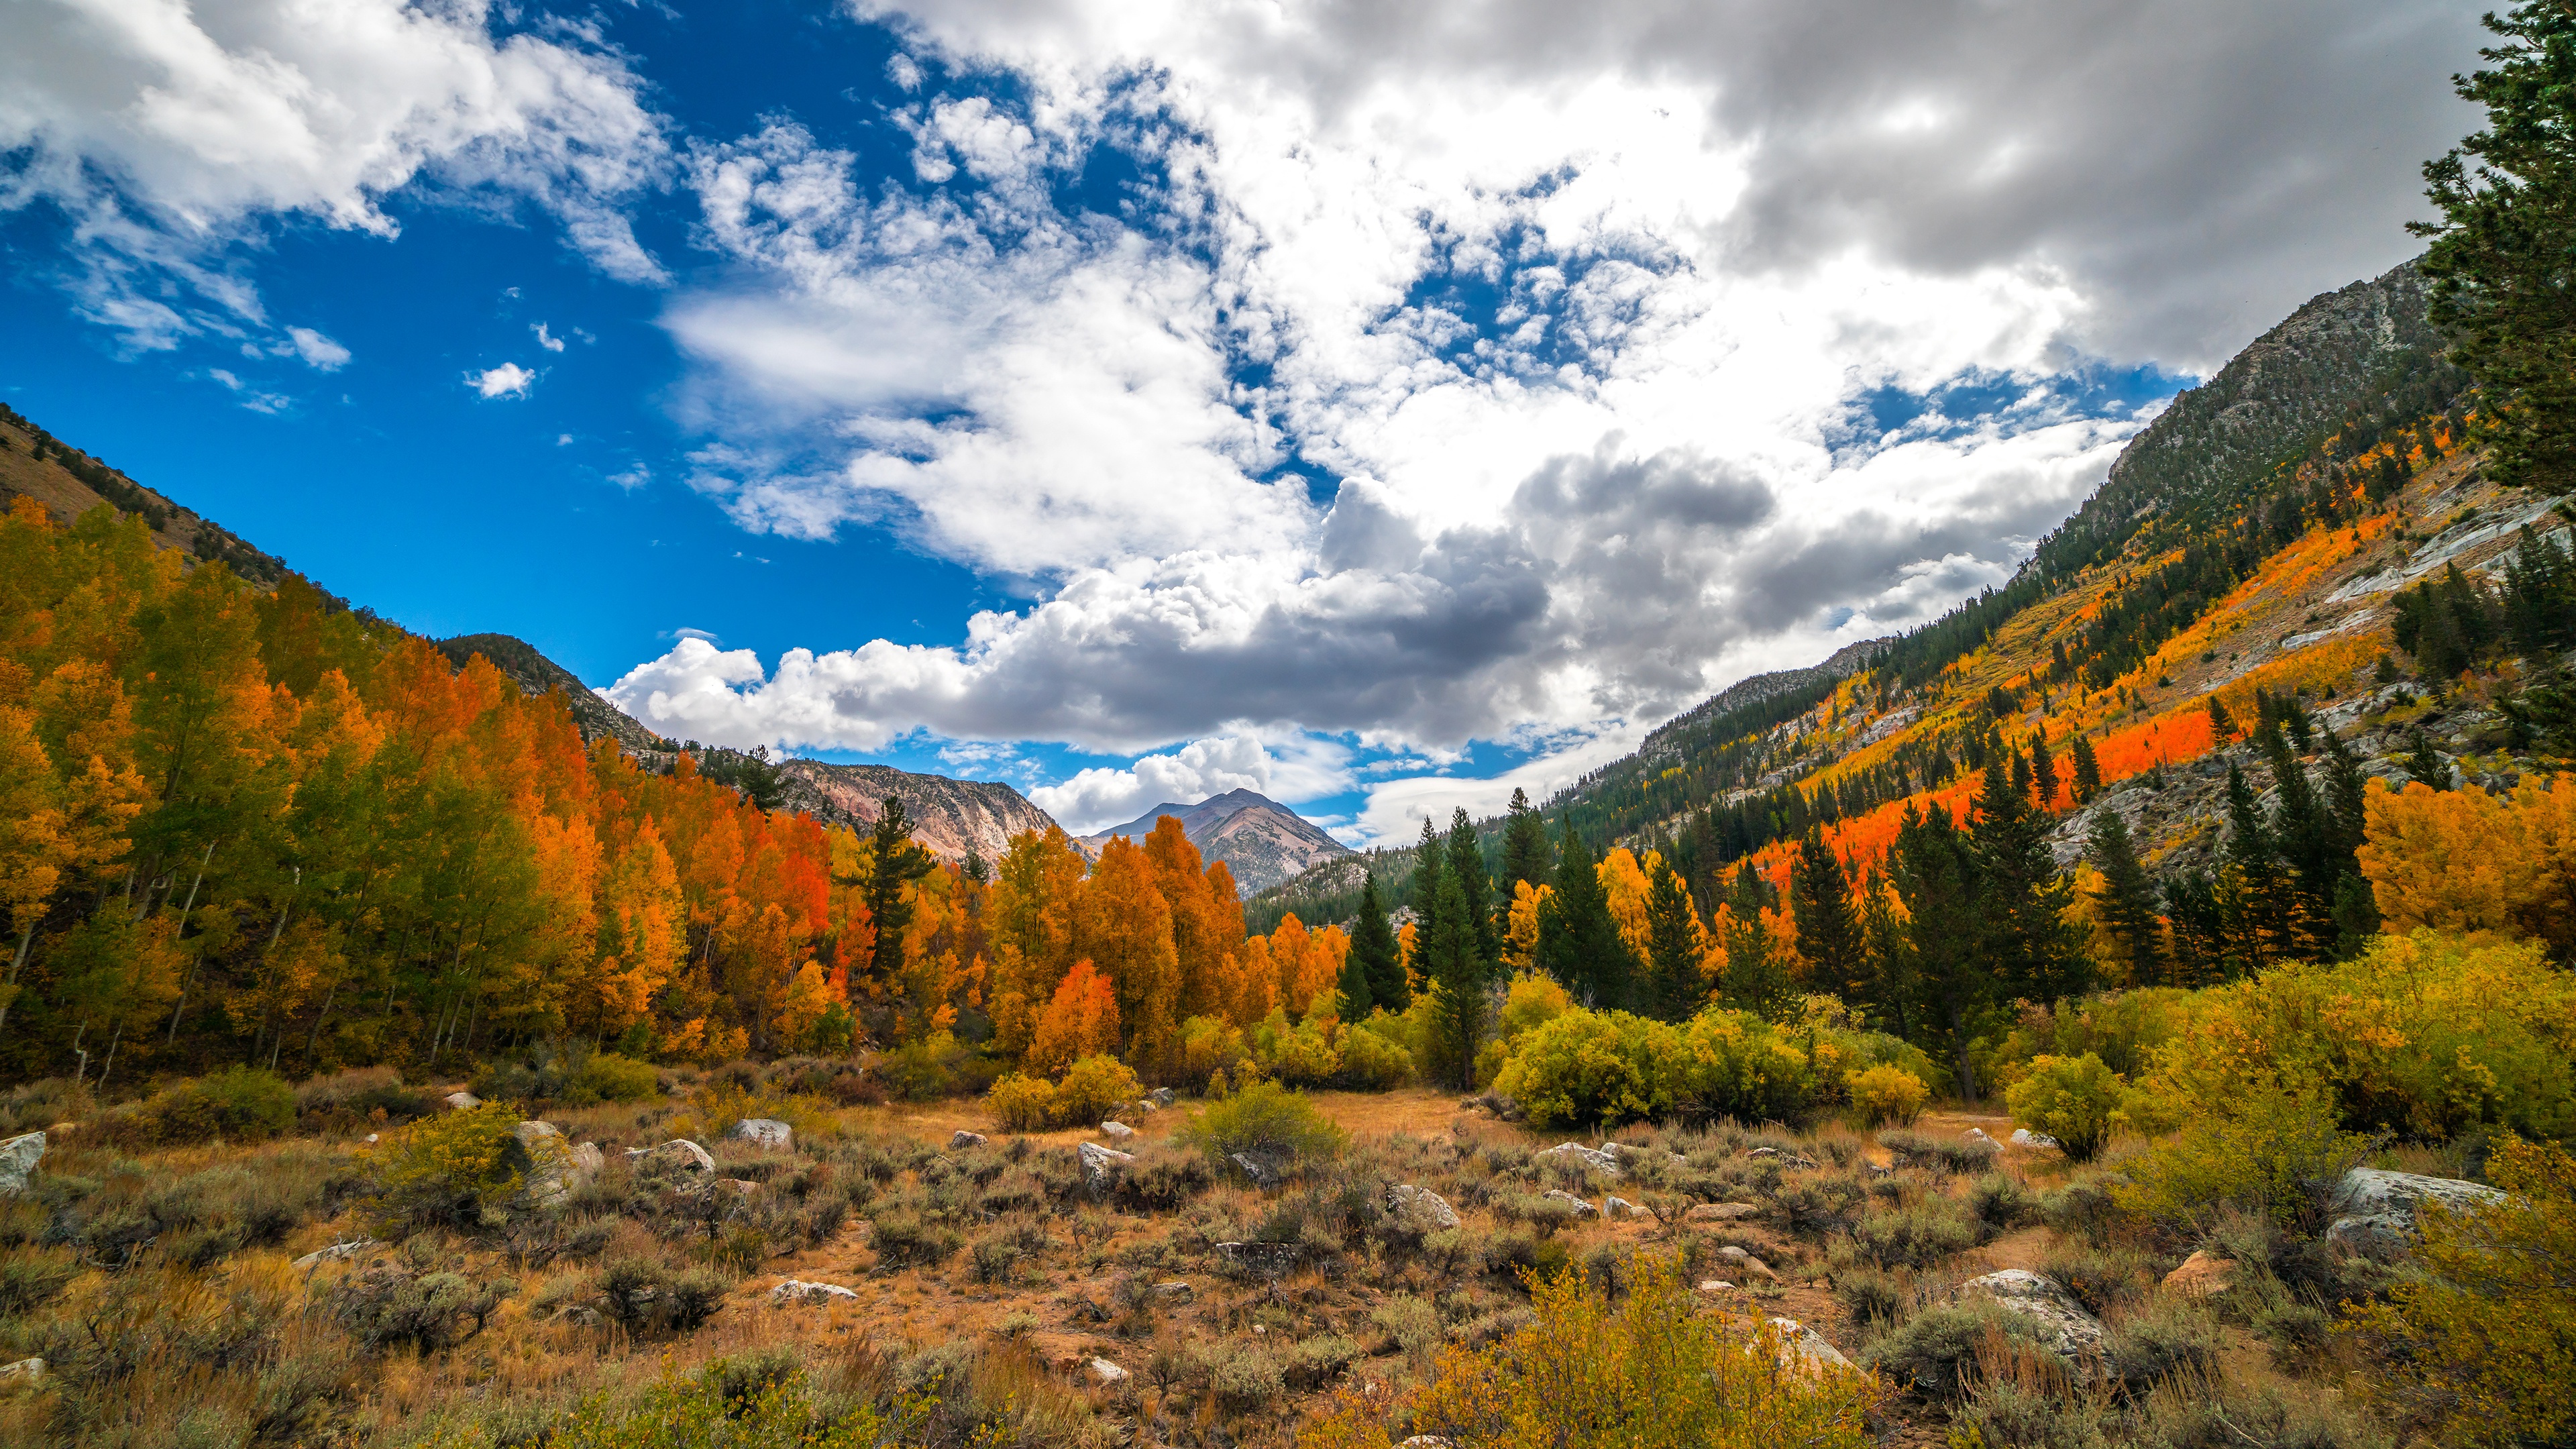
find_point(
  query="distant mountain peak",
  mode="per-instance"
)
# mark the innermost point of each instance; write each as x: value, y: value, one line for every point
x: 1260, y: 840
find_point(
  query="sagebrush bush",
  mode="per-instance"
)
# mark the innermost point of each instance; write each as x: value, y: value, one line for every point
x: 608, y: 1077
x: 2169, y: 1338
x: 1022, y: 1103
x: 345, y: 1099
x: 1935, y: 1352
x: 238, y: 1104
x: 2073, y: 1099
x: 2001, y: 1202
x: 2101, y: 1279
x: 1265, y: 1121
x: 2266, y: 1155
x: 1916, y: 1235
x: 1092, y: 1088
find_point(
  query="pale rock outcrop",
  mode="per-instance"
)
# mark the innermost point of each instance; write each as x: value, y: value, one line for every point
x: 2375, y: 1210
x: 1426, y: 1210
x: 797, y: 1290
x: 1592, y: 1158
x: 962, y: 1139
x: 1101, y: 1165
x: 2062, y: 1326
x: 463, y: 1101
x: 679, y: 1152
x: 764, y: 1132
x: 18, y: 1158
x: 1581, y: 1208
x: 1803, y: 1348
x: 1118, y: 1132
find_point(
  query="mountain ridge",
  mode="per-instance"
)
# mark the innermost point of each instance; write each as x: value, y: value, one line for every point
x: 1261, y: 841
x: 951, y: 817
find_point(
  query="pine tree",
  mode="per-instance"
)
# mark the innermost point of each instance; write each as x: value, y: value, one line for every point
x: 1935, y: 867
x: 895, y: 862
x: 2261, y: 918
x: 1525, y: 849
x: 1757, y: 979
x: 1449, y: 959
x: 1892, y: 981
x: 2126, y: 900
x: 1829, y: 935
x: 1674, y: 987
x: 2043, y: 772
x: 2088, y: 770
x: 1467, y: 863
x: 2032, y: 950
x: 2425, y: 765
x: 2201, y: 948
x: 2304, y: 832
x: 2222, y: 725
x: 1375, y: 954
x: 1579, y: 942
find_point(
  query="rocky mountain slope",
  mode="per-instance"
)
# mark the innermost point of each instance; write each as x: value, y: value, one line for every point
x: 536, y: 674
x: 70, y: 483
x: 950, y: 817
x: 1260, y: 840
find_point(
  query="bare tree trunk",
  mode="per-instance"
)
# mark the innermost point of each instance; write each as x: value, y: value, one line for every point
x: 25, y: 938
x: 191, y: 978
x: 110, y: 1064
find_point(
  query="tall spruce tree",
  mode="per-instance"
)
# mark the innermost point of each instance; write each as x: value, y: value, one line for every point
x: 2043, y: 772
x: 894, y: 862
x: 1430, y: 862
x: 1935, y: 867
x: 2201, y: 946
x: 1829, y: 935
x: 1379, y: 956
x: 1892, y: 981
x: 2088, y: 770
x: 1674, y: 986
x: 2254, y: 887
x: 2125, y: 898
x: 1449, y: 960
x: 1757, y: 978
x: 2425, y: 764
x: 1467, y: 863
x: 1578, y: 941
x: 2023, y: 896
x: 2304, y: 833
x: 1525, y: 849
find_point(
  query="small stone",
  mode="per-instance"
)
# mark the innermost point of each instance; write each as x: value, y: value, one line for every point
x: 1750, y: 1265
x: 679, y: 1152
x: 1118, y: 1132
x: 587, y: 1158
x: 1620, y: 1207
x: 1105, y: 1373
x: 962, y: 1138
x: 1428, y: 1210
x: 797, y: 1290
x: 1763, y: 1152
x: 1175, y: 1291
x: 1259, y: 1170
x: 764, y: 1132
x: 1146, y: 1108
x: 1978, y: 1135
x: 463, y: 1101
x: 1101, y: 1165
x: 371, y: 1139
x: 529, y: 1132
x: 1581, y: 1208
x: 1802, y: 1347
x: 1715, y: 1285
x: 1428, y: 1441
x: 31, y: 1370
x: 1720, y: 1212
x: 18, y: 1158
x: 2202, y: 1275
x: 1592, y: 1158
x: 1161, y: 1097
x: 2065, y: 1329
x: 2024, y: 1137
x: 1267, y: 1260
x: 337, y: 1252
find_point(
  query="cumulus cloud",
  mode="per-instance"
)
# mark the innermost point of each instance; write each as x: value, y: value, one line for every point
x: 319, y: 352
x: 1287, y: 767
x: 167, y: 133
x: 507, y: 380
x: 547, y: 340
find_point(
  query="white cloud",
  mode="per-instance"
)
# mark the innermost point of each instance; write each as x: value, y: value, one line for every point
x: 1288, y: 768
x: 167, y: 132
x: 258, y: 400
x: 547, y: 340
x: 319, y: 352
x: 507, y: 380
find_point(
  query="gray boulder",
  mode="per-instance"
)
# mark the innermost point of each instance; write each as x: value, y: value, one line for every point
x: 1745, y: 1264
x: 2063, y: 1327
x: 1720, y: 1212
x: 1161, y: 1097
x: 764, y: 1132
x: 18, y: 1158
x: 2024, y: 1137
x: 1591, y: 1158
x: 1581, y: 1208
x: 588, y: 1159
x: 2375, y: 1210
x: 28, y: 1370
x: 1105, y: 1373
x: 1266, y: 1260
x: 797, y: 1290
x: 1620, y: 1207
x: 1118, y: 1132
x: 1101, y: 1166
x: 1426, y: 1210
x: 1260, y: 1171
x: 679, y: 1152
x: 336, y: 1253
x: 1804, y: 1349
x: 962, y: 1138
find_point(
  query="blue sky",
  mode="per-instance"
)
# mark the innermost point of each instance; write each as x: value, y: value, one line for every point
x: 1378, y: 409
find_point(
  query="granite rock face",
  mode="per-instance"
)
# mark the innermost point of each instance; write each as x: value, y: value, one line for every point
x: 18, y: 1158
x: 2375, y: 1210
x: 2063, y: 1327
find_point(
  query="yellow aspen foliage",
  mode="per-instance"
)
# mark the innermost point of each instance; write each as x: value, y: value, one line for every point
x: 2467, y: 862
x: 1080, y: 1021
x: 1520, y: 925
x: 1627, y: 884
x: 808, y: 996
x: 1125, y: 930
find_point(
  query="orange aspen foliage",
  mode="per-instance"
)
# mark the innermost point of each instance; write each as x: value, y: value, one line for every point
x: 2468, y: 862
x: 1627, y: 884
x: 1125, y: 929
x: 1520, y: 926
x: 1080, y: 1021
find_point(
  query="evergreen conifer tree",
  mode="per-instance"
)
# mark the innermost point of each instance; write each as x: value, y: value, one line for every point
x: 2222, y: 725
x: 2425, y: 764
x: 2088, y: 770
x: 1450, y: 962
x: 2043, y: 772
x: 1467, y: 863
x: 895, y: 862
x: 1376, y: 952
x: 2023, y: 897
x: 1525, y: 849
x: 1757, y: 979
x: 1430, y: 862
x: 1829, y: 935
x: 2125, y: 898
x: 1935, y: 867
x: 1674, y: 986
x: 1578, y: 942
x: 2254, y: 885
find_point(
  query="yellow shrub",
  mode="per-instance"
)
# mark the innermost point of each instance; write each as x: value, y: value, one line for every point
x: 1023, y: 1104
x: 1093, y: 1086
x: 1532, y: 1001
x: 450, y: 1170
x: 2255, y: 1157
x: 1650, y: 1373
x: 2481, y: 1344
x: 1886, y: 1094
x: 2073, y: 1099
x: 716, y: 1107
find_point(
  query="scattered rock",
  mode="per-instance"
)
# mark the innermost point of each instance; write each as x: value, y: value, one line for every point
x: 581, y: 1315
x: 1749, y: 1265
x: 1978, y: 1134
x: 1117, y: 1131
x: 797, y: 1290
x: 1620, y: 1207
x: 1591, y: 1157
x: 336, y: 1253
x: 962, y: 1138
x: 1105, y: 1373
x: 463, y: 1101
x: 587, y: 1158
x: 1161, y: 1097
x: 2065, y: 1329
x: 764, y: 1132
x: 1762, y: 1152
x: 1428, y: 1210
x: 529, y: 1133
x: 1259, y: 1170
x: 2202, y: 1275
x: 2024, y: 1137
x: 1720, y: 1212
x: 18, y: 1159
x: 2375, y: 1209
x: 371, y: 1139
x: 1715, y: 1285
x: 1101, y: 1165
x: 1268, y: 1260
x: 1802, y: 1347
x: 1175, y: 1291
x: 1148, y: 1108
x: 1427, y: 1441
x: 1581, y: 1208
x: 679, y: 1152
x: 30, y: 1370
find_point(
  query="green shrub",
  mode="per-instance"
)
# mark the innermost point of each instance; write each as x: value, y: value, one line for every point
x: 1265, y: 1121
x: 608, y: 1077
x: 1873, y: 1297
x: 1245, y: 1377
x: 2170, y: 1339
x: 646, y: 1294
x: 1372, y: 1062
x: 1591, y: 1068
x: 450, y: 1170
x: 1735, y: 1064
x: 1935, y: 1351
x: 932, y: 1067
x: 239, y: 1104
x: 906, y: 1237
x: 345, y: 1099
x: 1917, y: 1235
x: 2005, y: 1415
x: 1317, y: 1361
x: 1092, y: 1087
x: 2082, y: 1208
x: 2001, y: 1202
x: 2099, y: 1278
x: 387, y: 1306
x: 1886, y: 1094
x: 1413, y: 1324
x: 1211, y: 1048
x: 2073, y: 1099
x: 2258, y: 1159
x: 1163, y: 1182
